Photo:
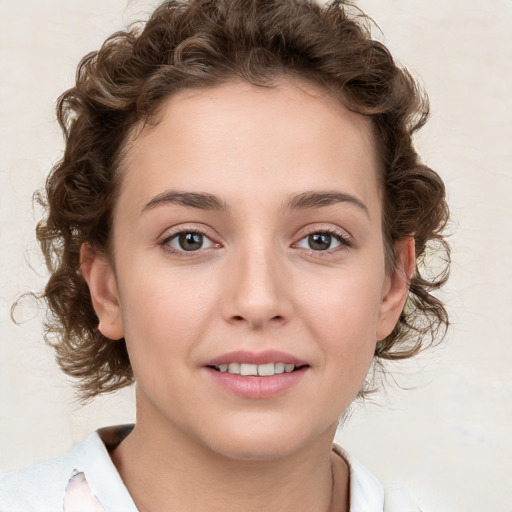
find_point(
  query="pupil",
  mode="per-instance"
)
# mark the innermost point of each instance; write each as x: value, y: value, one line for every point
x: 191, y: 241
x: 320, y: 241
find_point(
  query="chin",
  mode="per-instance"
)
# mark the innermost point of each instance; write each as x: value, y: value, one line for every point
x: 261, y: 440
x: 252, y: 450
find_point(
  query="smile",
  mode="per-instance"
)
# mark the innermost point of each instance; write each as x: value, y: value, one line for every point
x: 257, y: 375
x: 260, y: 370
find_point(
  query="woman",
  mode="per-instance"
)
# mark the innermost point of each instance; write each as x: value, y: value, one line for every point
x: 234, y: 226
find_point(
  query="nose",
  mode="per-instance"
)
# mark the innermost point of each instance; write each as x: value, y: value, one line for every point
x: 258, y: 291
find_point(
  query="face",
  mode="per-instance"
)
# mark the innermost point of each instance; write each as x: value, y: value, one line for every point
x: 247, y: 238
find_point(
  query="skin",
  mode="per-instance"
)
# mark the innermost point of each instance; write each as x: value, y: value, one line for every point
x: 255, y: 284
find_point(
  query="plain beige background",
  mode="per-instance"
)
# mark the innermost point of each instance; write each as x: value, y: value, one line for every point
x: 447, y: 439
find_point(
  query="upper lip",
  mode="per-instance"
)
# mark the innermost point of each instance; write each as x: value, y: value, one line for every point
x: 264, y: 357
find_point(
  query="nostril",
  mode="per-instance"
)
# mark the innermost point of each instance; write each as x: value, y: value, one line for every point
x: 257, y: 320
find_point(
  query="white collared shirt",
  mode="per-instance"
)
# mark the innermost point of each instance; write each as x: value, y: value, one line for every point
x: 86, y: 480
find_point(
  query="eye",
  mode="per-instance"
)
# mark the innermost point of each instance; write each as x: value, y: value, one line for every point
x: 320, y: 241
x: 189, y: 241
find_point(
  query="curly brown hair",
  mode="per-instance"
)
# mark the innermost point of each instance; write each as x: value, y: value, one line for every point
x: 201, y: 43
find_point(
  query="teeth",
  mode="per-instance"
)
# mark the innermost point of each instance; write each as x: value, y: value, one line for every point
x: 289, y: 368
x: 234, y: 368
x: 279, y: 367
x: 248, y: 369
x: 262, y: 370
x: 265, y: 370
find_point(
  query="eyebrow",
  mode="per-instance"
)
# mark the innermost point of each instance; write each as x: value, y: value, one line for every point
x: 198, y: 200
x: 204, y: 201
x: 320, y: 199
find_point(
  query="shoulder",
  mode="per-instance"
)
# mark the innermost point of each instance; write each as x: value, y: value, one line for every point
x: 38, y: 485
x: 367, y: 494
x: 43, y: 487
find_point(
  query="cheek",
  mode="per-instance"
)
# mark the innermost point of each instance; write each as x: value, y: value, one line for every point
x: 164, y: 311
x: 343, y: 316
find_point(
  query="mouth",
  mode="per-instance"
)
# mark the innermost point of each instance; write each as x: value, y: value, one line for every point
x: 257, y: 375
x: 257, y: 370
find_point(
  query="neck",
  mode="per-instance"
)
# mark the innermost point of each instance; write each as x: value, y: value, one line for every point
x: 176, y: 472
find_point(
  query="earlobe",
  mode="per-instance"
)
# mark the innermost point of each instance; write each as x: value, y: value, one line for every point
x: 100, y: 277
x: 397, y: 288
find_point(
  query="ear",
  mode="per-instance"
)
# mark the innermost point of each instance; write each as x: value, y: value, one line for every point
x: 100, y: 277
x: 397, y: 287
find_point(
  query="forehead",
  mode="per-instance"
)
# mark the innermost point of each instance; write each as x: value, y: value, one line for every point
x: 235, y: 137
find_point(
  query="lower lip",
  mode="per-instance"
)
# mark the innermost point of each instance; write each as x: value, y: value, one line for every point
x: 257, y: 387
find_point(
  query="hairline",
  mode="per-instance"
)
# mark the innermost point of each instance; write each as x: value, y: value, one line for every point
x: 143, y: 126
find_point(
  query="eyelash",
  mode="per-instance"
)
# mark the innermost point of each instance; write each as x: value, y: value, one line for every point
x: 165, y: 243
x: 344, y: 241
